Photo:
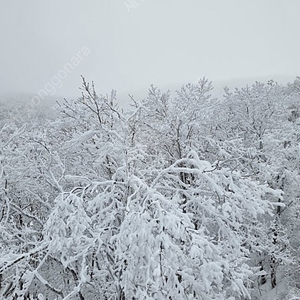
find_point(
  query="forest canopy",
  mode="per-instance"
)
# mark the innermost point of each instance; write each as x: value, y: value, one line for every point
x: 182, y: 196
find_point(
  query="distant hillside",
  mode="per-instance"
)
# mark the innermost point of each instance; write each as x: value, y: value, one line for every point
x: 22, y: 106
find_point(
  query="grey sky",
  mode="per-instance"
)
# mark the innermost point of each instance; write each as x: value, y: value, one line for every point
x: 156, y: 42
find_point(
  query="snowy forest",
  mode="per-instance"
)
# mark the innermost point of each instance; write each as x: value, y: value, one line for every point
x: 183, y: 195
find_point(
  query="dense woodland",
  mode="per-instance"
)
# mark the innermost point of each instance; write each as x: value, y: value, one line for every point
x: 182, y: 196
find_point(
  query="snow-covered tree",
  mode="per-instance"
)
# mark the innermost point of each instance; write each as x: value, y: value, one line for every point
x: 185, y: 197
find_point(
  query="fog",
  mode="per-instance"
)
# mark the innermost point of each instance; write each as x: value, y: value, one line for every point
x: 128, y: 45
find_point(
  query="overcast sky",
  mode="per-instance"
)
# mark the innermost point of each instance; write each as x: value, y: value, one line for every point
x: 134, y: 43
